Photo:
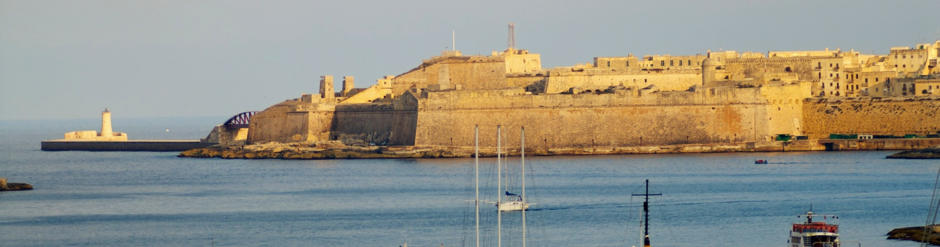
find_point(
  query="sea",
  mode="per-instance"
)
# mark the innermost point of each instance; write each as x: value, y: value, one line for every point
x: 717, y: 199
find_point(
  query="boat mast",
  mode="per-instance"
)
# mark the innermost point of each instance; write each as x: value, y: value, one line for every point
x: 646, y: 213
x: 476, y: 179
x: 499, y: 188
x: 524, y: 202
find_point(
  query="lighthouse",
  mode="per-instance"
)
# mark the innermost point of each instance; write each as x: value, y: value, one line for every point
x: 106, y: 124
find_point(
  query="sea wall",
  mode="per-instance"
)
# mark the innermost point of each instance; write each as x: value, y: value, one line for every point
x: 717, y: 115
x: 872, y: 116
x: 292, y: 121
x: 376, y: 124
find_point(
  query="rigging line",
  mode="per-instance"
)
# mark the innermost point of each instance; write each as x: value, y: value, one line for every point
x: 932, y: 210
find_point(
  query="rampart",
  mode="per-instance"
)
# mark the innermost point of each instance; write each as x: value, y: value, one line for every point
x: 872, y: 116
x: 592, y: 120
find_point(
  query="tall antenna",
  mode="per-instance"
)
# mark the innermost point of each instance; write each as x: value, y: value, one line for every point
x: 512, y: 36
x: 453, y: 39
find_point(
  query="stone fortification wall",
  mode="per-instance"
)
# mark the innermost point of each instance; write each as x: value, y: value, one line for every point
x: 562, y: 82
x: 590, y: 120
x: 292, y: 121
x: 873, y: 116
x: 376, y: 124
x: 741, y: 68
x: 446, y: 73
x: 785, y: 107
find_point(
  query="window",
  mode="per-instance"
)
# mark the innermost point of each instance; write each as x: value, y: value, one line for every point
x: 671, y: 63
x: 866, y: 80
x: 608, y: 63
x: 628, y: 63
x: 690, y: 62
x: 876, y: 79
x: 662, y: 63
x: 680, y: 62
x: 787, y: 69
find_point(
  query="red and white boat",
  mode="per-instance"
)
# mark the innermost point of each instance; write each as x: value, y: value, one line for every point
x: 815, y: 232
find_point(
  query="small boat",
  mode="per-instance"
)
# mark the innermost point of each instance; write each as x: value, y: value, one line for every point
x: 514, y: 202
x: 760, y: 162
x: 815, y: 233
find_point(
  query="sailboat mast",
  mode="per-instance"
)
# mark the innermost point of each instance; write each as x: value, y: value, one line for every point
x: 646, y: 213
x: 499, y: 187
x: 476, y: 179
x: 524, y: 202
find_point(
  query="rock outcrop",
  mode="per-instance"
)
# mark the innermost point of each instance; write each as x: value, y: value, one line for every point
x: 927, y: 153
x: 4, y: 186
x: 916, y: 233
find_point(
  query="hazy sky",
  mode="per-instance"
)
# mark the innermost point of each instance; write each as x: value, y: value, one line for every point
x: 70, y: 59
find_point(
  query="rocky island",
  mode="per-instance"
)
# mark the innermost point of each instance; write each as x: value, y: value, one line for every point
x: 722, y: 101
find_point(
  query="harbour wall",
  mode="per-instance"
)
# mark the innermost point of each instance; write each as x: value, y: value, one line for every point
x: 728, y: 115
x: 872, y: 116
x: 134, y: 145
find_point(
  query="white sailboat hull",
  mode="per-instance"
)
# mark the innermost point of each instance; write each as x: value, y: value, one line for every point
x: 512, y: 206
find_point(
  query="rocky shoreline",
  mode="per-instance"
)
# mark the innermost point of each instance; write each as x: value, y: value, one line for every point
x: 928, y: 153
x: 335, y: 150
x: 916, y: 233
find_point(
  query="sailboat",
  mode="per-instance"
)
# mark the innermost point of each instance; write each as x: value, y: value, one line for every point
x: 524, y: 205
x: 513, y: 201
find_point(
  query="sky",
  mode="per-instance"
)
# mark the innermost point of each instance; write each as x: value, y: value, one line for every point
x: 71, y: 59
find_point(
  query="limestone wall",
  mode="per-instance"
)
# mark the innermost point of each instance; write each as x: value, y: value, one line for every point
x: 874, y: 116
x: 446, y: 73
x: 291, y: 121
x: 376, y: 124
x: 589, y: 120
x: 557, y: 83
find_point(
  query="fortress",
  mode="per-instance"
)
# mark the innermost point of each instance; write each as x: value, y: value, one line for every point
x: 719, y: 98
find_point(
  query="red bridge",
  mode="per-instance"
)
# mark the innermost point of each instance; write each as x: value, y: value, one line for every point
x: 240, y: 121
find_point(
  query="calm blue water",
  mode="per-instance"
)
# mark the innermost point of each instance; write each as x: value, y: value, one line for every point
x: 151, y: 198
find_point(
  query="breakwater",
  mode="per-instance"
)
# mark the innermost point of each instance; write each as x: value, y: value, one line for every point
x: 135, y: 145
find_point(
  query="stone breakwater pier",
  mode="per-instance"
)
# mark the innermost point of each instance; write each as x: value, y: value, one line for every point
x: 713, y: 102
x: 108, y: 140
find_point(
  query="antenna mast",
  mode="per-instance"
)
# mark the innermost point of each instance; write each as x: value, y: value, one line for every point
x: 646, y: 213
x: 512, y: 36
x: 453, y: 40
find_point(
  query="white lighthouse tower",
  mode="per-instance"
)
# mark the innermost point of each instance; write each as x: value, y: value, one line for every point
x: 106, y: 124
